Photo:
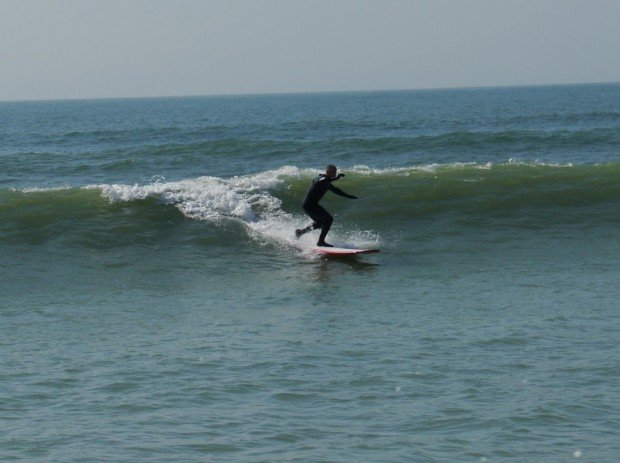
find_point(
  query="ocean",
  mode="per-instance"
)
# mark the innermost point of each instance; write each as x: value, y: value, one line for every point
x: 155, y: 305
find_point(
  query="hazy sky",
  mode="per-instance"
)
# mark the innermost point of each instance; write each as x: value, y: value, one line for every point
x: 53, y: 49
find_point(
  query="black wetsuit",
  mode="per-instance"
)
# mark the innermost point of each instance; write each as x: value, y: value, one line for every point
x: 322, y: 219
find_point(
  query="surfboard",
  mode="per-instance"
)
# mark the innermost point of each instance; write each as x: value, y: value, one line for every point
x: 341, y: 251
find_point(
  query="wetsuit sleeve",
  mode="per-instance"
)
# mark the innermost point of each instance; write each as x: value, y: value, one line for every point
x: 339, y: 192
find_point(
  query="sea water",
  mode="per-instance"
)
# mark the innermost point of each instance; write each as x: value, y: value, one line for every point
x: 155, y: 306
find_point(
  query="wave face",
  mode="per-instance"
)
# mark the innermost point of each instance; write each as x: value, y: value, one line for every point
x: 114, y: 172
x: 266, y: 205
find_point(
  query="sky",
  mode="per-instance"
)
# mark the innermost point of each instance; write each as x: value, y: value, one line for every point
x: 65, y: 49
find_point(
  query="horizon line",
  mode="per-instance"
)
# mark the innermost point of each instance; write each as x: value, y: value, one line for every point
x: 310, y: 92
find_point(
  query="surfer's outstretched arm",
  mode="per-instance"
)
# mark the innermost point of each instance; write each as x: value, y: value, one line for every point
x: 339, y: 192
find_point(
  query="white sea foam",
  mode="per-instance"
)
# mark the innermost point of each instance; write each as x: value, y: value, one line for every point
x: 41, y: 190
x: 537, y: 163
x: 430, y: 168
x: 277, y: 229
x: 208, y: 198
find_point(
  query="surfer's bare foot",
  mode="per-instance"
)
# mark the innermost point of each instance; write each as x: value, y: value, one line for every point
x: 323, y: 244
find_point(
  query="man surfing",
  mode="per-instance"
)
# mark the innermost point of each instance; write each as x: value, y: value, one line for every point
x: 322, y: 219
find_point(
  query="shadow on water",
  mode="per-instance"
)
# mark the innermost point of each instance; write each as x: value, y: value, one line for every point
x: 338, y: 281
x: 354, y: 262
x: 328, y: 268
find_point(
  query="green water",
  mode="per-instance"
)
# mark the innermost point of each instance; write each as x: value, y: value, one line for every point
x: 154, y: 305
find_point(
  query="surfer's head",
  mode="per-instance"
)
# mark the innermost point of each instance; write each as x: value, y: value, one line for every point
x: 331, y: 170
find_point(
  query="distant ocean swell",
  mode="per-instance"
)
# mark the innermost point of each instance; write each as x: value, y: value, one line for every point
x: 267, y: 203
x: 240, y: 139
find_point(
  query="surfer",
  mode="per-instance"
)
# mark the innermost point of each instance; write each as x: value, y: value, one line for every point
x: 322, y: 218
